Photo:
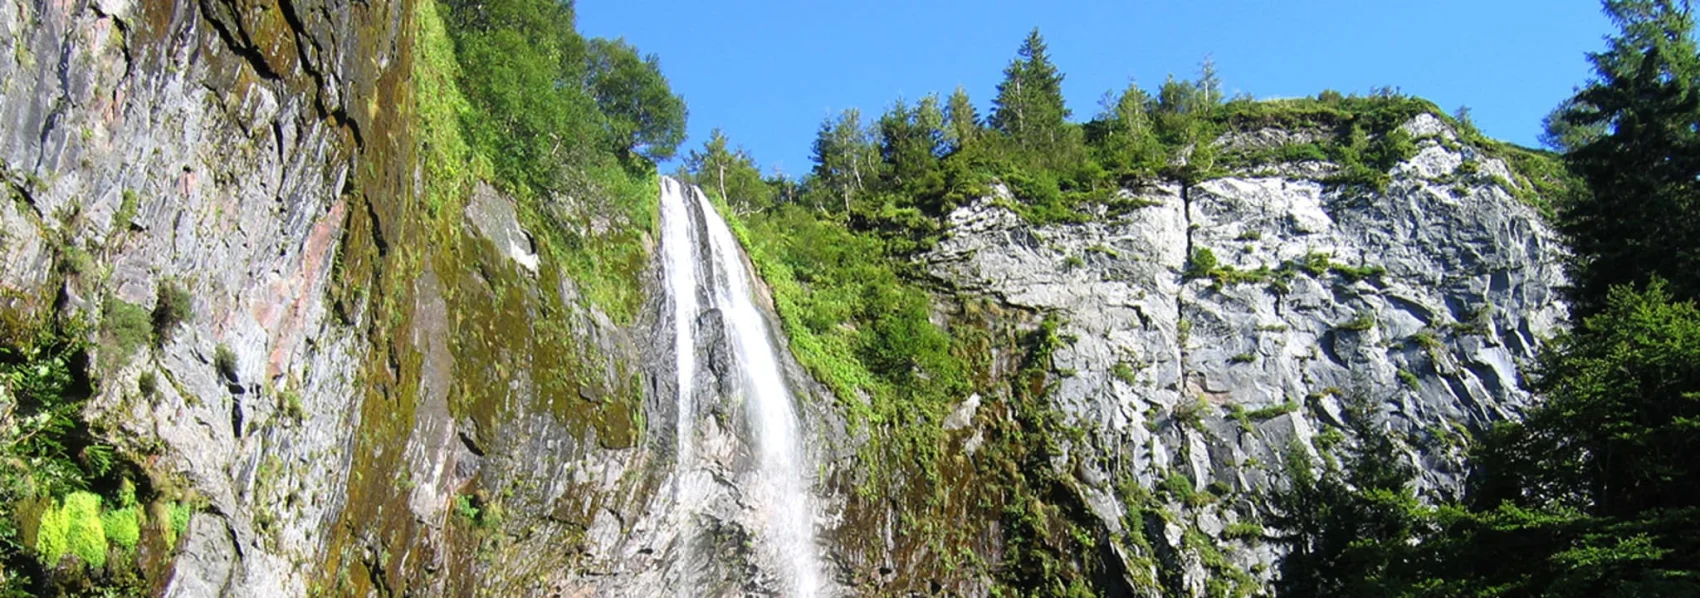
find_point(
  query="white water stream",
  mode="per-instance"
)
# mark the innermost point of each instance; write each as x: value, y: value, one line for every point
x: 717, y: 271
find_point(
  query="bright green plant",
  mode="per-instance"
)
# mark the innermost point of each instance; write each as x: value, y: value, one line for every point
x: 84, y: 535
x: 123, y: 527
x: 179, y: 514
x: 50, y: 535
x: 125, y: 327
x: 1124, y: 372
x: 1202, y: 263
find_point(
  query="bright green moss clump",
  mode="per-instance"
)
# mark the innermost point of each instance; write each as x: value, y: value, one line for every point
x: 123, y: 527
x: 76, y: 527
x: 84, y: 535
x: 50, y: 543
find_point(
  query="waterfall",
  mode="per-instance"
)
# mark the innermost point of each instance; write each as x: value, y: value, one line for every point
x: 679, y: 266
x: 702, y: 260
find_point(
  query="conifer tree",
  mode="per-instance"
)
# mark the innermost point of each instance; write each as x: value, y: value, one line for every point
x: 1029, y: 107
x: 962, y: 124
x: 910, y: 143
x: 1643, y: 218
x: 846, y: 157
x: 1209, y: 84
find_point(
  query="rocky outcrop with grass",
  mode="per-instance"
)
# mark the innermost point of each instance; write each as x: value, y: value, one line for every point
x: 272, y: 325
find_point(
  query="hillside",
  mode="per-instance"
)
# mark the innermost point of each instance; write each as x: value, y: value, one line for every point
x: 360, y: 299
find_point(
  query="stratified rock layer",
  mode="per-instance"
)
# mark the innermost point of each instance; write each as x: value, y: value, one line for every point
x: 441, y: 412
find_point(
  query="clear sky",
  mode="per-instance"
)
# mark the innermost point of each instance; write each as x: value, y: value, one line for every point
x: 768, y: 71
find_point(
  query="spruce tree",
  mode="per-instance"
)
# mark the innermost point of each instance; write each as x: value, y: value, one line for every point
x: 1642, y: 219
x: 962, y: 124
x: 910, y: 143
x: 846, y: 158
x: 1029, y: 107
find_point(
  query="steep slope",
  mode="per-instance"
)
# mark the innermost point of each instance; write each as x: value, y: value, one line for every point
x: 301, y: 321
x: 1423, y: 300
x: 372, y: 377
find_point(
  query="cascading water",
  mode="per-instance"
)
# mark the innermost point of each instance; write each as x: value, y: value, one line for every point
x: 702, y: 260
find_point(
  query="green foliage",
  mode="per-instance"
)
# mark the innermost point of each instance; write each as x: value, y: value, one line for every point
x: 1202, y: 263
x: 846, y: 159
x: 52, y: 535
x: 1247, y: 357
x: 124, y: 328
x: 1124, y: 136
x: 642, y: 114
x: 172, y: 306
x: 1410, y: 380
x: 464, y: 508
x: 1124, y: 372
x: 126, y: 212
x: 1190, y: 413
x: 526, y: 69
x: 178, y: 514
x: 1348, y: 530
x: 1361, y: 321
x: 123, y: 527
x: 1029, y: 107
x: 1562, y: 134
x: 224, y: 362
x: 147, y: 383
x: 1427, y: 339
x: 1243, y: 530
x: 1354, y: 274
x: 1639, y: 156
x: 289, y: 403
x: 1274, y: 411
x: 509, y: 92
x: 1178, y: 487
x: 85, y: 537
x: 45, y: 374
x: 1622, y: 400
x: 729, y: 174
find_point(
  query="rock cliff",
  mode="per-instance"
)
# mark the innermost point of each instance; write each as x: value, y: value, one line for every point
x: 374, y: 394
x: 1229, y: 320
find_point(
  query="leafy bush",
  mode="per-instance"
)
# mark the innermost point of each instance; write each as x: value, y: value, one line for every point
x: 224, y: 360
x: 173, y: 306
x: 125, y: 327
x: 178, y: 514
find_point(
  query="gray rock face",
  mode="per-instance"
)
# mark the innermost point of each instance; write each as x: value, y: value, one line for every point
x: 228, y: 147
x: 1423, y: 300
x: 141, y: 144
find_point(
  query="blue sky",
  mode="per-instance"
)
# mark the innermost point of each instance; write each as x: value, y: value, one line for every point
x: 767, y: 71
